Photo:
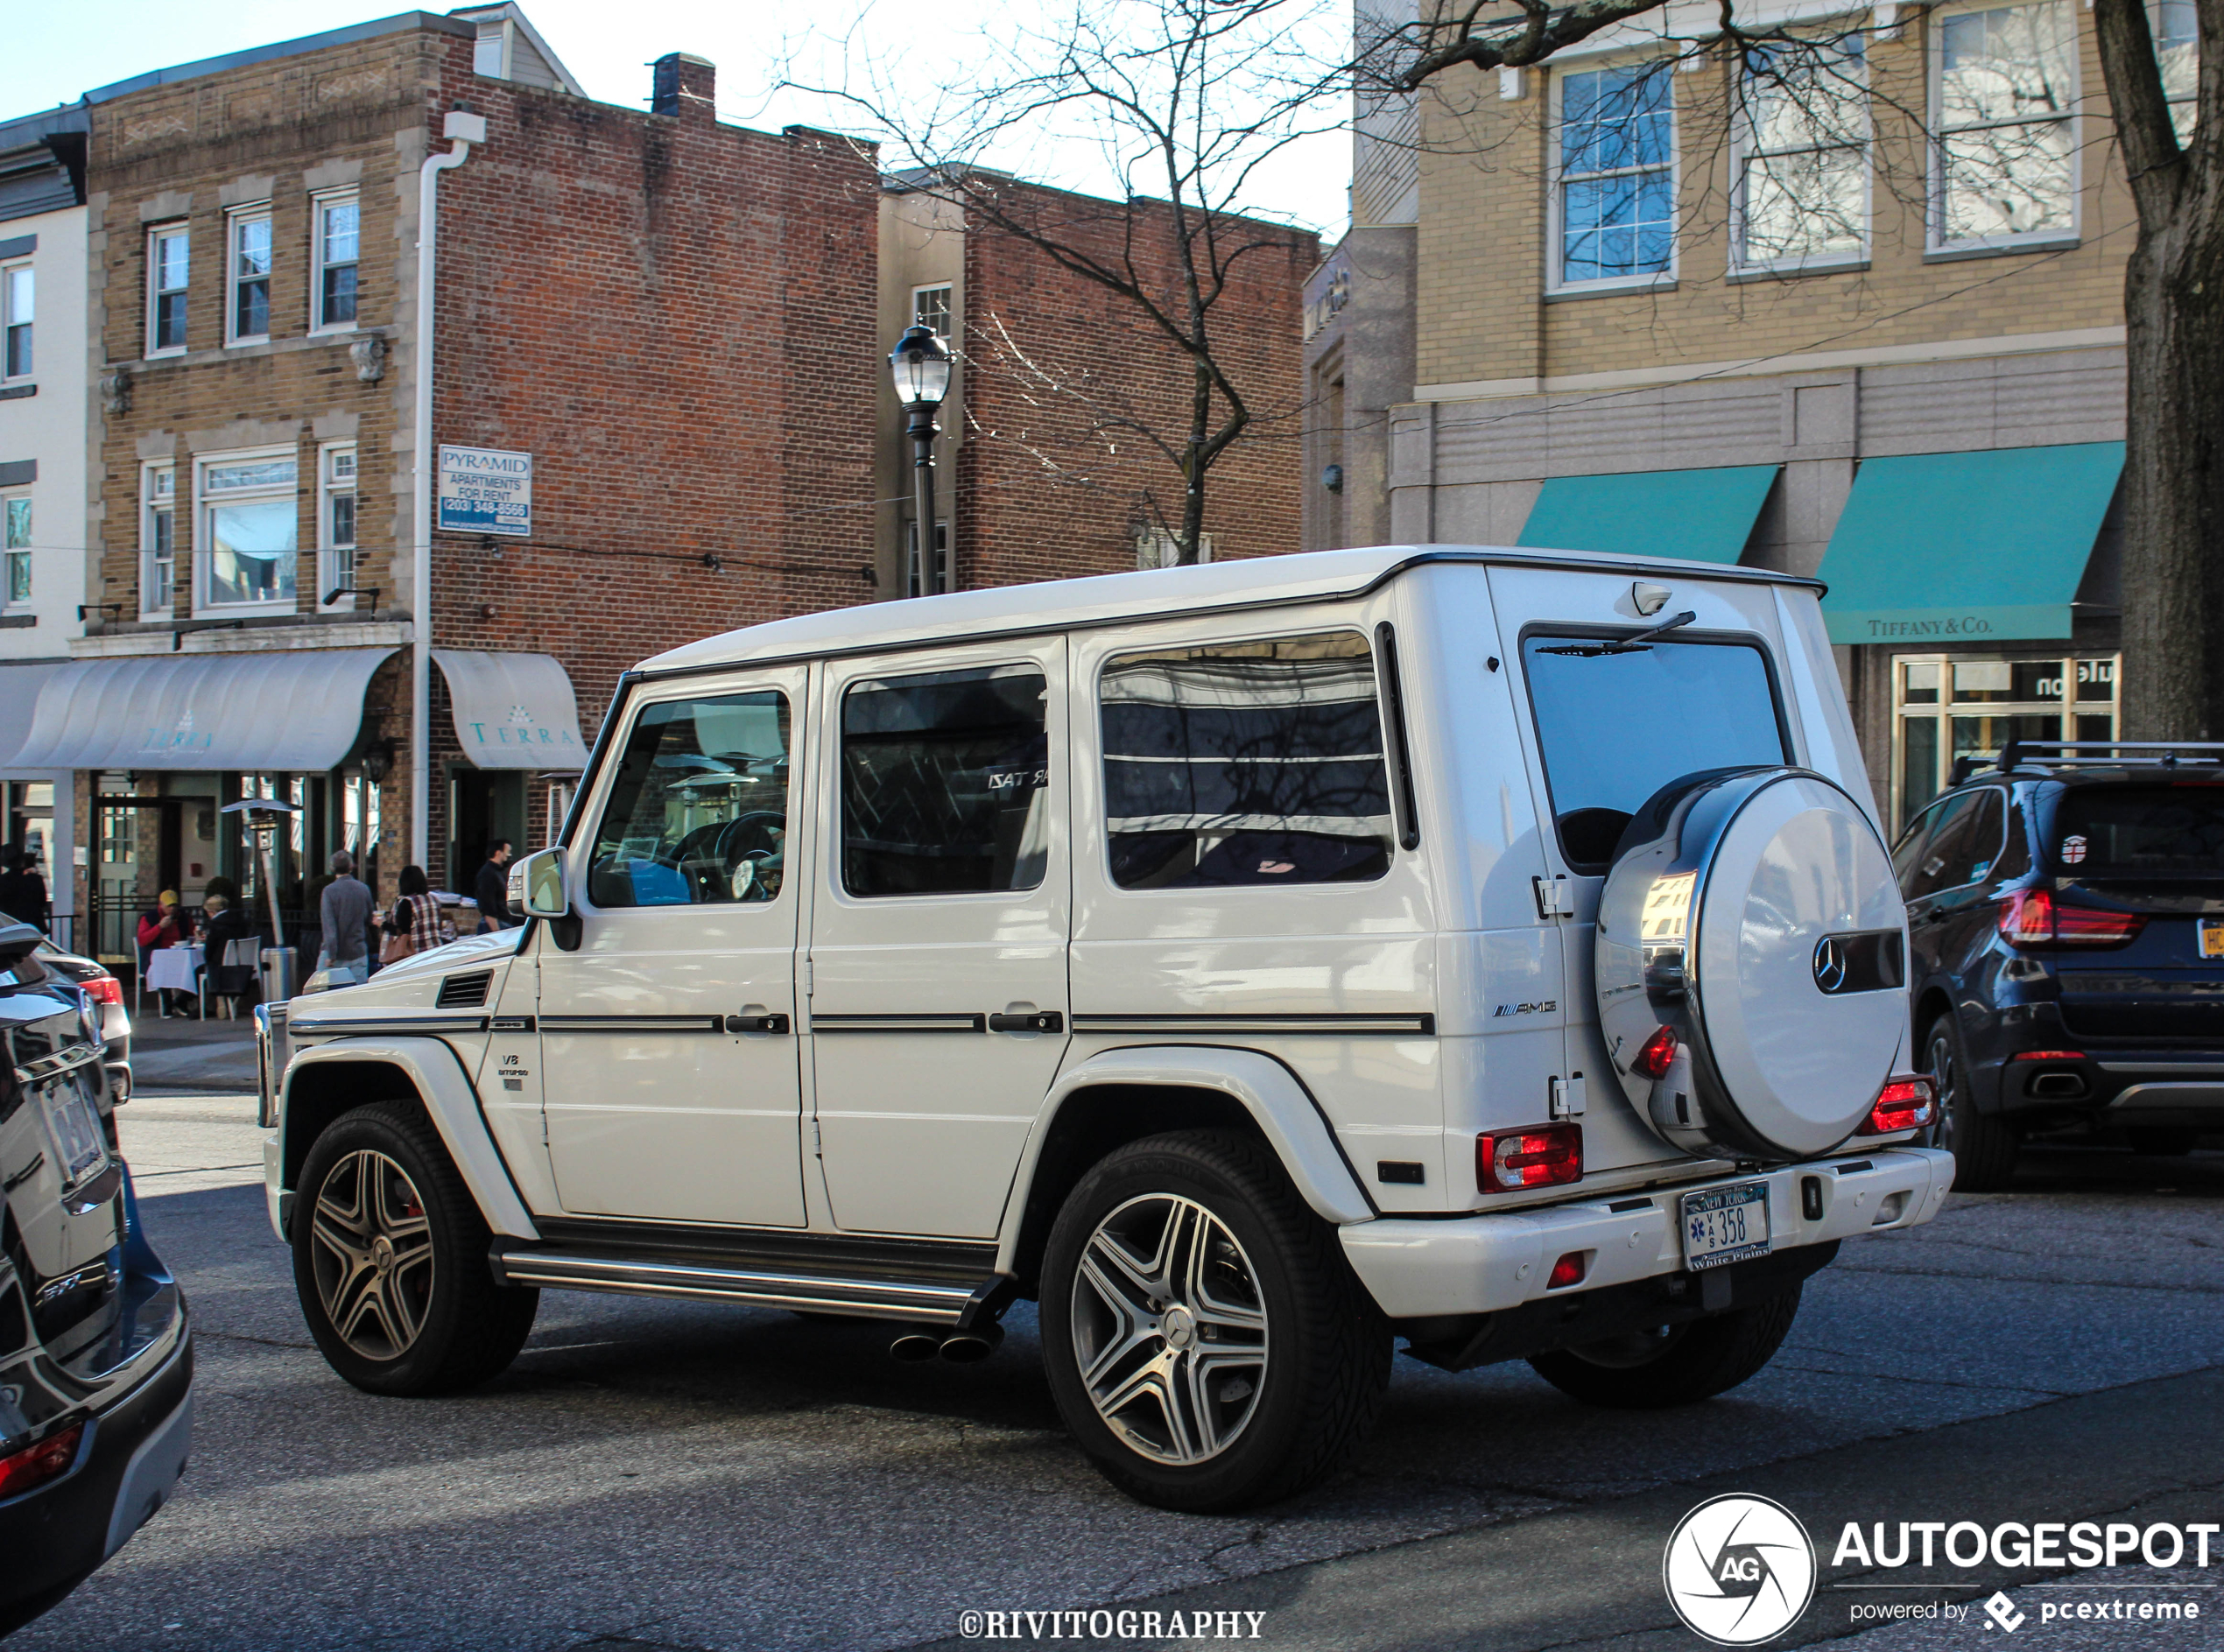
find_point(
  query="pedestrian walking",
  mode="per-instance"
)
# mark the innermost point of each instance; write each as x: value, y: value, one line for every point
x: 415, y: 925
x: 345, y: 909
x: 23, y: 892
x: 492, y: 891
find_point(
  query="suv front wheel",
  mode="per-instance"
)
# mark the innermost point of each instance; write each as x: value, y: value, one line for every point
x: 1207, y: 1342
x: 390, y: 1261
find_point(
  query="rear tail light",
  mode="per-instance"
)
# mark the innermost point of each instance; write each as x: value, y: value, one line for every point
x: 1545, y: 1156
x: 1568, y: 1270
x: 1908, y: 1101
x: 2034, y: 917
x: 105, y: 989
x: 1656, y: 1055
x: 36, y: 1464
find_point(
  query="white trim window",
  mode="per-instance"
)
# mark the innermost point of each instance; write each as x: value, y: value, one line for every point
x: 2003, y: 97
x: 247, y: 275
x: 14, y: 549
x: 2178, y: 48
x: 335, y: 228
x: 158, y: 540
x: 169, y: 264
x: 1156, y: 550
x: 931, y: 307
x: 18, y: 289
x: 245, y: 531
x: 1803, y: 173
x: 1614, y: 176
x: 912, y: 556
x: 335, y: 525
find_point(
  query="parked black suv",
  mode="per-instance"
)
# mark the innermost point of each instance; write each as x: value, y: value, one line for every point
x: 2066, y: 913
x: 95, y: 1362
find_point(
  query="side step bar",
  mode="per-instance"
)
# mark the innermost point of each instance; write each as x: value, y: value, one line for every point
x: 925, y: 1301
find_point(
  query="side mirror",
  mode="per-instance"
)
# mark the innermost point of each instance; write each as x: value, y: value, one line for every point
x: 537, y: 886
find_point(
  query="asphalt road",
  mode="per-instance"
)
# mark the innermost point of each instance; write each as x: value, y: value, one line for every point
x: 678, y: 1476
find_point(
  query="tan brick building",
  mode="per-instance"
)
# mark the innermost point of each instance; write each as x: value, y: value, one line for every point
x: 1861, y: 317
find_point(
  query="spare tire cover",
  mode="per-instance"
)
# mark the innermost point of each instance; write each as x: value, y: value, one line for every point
x: 1754, y: 913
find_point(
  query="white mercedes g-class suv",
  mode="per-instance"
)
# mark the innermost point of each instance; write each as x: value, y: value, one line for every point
x: 1253, y: 964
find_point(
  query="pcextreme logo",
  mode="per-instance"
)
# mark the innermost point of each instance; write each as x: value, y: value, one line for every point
x: 1739, y: 1569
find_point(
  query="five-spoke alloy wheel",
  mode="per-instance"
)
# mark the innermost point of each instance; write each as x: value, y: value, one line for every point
x: 389, y: 1260
x: 1207, y: 1342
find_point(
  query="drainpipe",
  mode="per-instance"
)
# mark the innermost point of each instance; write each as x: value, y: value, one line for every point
x: 462, y: 130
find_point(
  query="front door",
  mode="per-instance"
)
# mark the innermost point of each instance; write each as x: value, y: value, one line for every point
x: 938, y: 932
x: 671, y: 1089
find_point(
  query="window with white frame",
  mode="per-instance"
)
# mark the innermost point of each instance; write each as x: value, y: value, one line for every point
x: 157, y: 539
x: 1947, y: 707
x: 18, y: 293
x: 912, y: 558
x: 930, y: 308
x: 336, y: 223
x: 2004, y: 92
x: 336, y: 524
x: 15, y: 546
x: 169, y: 258
x: 1802, y: 196
x: 244, y: 532
x: 2177, y: 47
x: 1615, y: 175
x: 247, y: 305
x: 1164, y: 550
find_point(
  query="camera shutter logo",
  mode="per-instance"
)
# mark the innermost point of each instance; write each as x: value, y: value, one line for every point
x: 1739, y: 1571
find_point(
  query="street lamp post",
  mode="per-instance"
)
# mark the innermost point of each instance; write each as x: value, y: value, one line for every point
x: 921, y: 365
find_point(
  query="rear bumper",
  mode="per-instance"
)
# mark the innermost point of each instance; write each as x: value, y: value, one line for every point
x: 2118, y: 1086
x: 130, y: 1463
x: 1493, y: 1262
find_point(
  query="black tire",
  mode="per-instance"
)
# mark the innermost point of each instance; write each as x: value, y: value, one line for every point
x: 2162, y: 1141
x: 453, y: 1327
x: 1325, y: 1348
x: 1984, y: 1145
x: 1676, y: 1364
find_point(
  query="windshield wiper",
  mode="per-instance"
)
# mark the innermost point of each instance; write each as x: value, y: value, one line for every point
x: 1622, y: 645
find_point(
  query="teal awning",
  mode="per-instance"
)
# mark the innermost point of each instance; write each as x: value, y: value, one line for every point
x: 1705, y: 515
x: 1938, y: 548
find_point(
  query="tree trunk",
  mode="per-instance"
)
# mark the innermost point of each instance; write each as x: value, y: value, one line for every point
x: 1195, y: 461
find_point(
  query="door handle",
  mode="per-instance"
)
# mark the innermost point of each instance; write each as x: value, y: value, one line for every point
x: 773, y: 1024
x: 1038, y: 1021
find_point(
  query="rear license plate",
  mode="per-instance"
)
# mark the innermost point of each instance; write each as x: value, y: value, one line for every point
x: 1726, y: 1224
x: 74, y: 1127
x: 2213, y: 937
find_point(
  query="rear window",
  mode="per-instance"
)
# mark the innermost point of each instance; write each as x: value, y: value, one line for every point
x: 2168, y: 831
x: 1614, y: 728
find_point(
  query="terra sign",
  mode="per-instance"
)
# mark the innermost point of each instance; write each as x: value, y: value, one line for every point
x: 484, y: 490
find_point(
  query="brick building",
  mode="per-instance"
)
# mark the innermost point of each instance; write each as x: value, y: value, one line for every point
x: 1864, y: 320
x: 671, y: 317
x: 1044, y: 468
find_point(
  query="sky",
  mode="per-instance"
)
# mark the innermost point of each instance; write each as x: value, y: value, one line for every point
x: 54, y: 53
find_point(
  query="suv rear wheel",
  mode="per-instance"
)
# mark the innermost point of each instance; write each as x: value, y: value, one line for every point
x: 1207, y: 1342
x: 1984, y: 1147
x: 1672, y: 1365
x: 390, y: 1261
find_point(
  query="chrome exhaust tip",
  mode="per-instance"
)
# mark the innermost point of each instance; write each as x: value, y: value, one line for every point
x: 914, y: 1347
x: 970, y: 1347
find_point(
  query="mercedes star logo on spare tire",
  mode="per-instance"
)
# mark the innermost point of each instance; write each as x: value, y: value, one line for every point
x: 1830, y: 963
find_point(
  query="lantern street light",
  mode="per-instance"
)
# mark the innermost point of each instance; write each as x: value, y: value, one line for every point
x: 921, y: 365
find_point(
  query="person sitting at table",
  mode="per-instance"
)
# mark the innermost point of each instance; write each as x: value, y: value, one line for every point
x: 226, y: 923
x: 168, y: 925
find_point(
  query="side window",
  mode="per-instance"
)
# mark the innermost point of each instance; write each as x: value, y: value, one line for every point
x: 698, y: 813
x: 946, y: 782
x: 1914, y: 844
x: 1944, y: 847
x: 1245, y: 762
x: 1980, y: 846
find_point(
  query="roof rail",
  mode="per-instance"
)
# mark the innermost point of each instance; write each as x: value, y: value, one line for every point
x: 2162, y: 753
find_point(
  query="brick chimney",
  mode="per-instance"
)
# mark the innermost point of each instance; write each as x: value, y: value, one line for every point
x: 685, y: 85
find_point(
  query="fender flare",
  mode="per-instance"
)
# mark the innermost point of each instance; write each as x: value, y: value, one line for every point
x: 450, y: 1103
x: 1283, y: 1108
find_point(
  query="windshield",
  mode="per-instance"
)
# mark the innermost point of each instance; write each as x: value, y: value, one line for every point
x: 2151, y: 831
x: 1614, y: 728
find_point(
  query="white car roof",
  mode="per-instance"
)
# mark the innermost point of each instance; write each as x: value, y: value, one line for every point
x: 1107, y: 599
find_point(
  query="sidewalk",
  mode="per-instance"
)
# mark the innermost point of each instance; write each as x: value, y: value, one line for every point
x: 170, y: 1056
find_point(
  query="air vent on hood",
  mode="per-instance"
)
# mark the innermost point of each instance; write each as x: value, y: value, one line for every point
x: 464, y: 992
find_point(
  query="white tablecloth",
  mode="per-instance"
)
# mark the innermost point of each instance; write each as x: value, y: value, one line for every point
x: 174, y: 968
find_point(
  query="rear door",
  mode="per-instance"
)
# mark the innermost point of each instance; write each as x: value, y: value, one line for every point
x: 939, y: 1010
x: 1602, y: 732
